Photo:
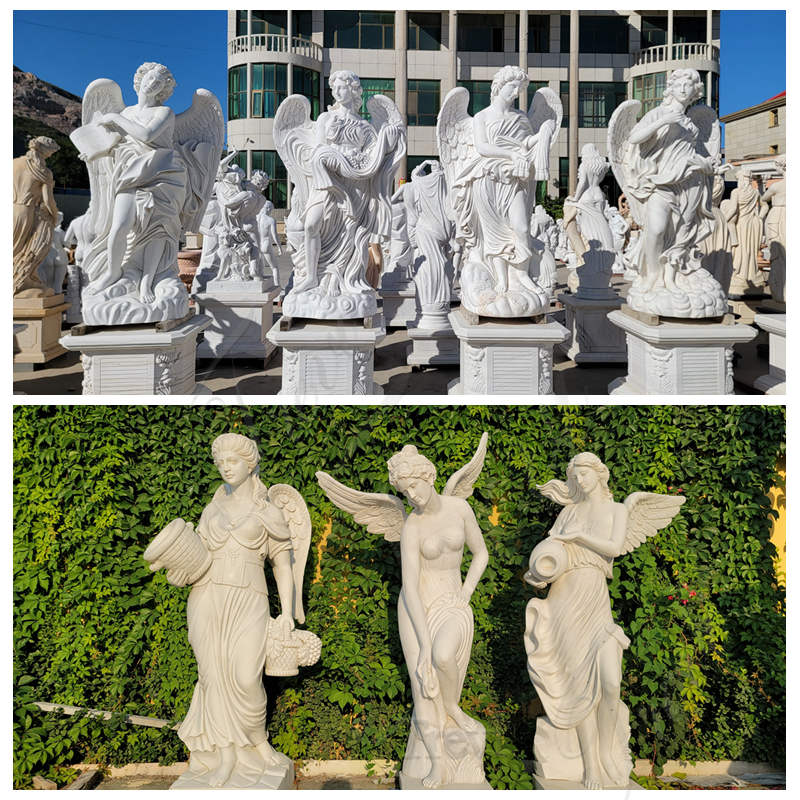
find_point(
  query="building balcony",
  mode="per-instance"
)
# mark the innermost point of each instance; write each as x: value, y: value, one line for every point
x: 687, y: 51
x: 275, y: 43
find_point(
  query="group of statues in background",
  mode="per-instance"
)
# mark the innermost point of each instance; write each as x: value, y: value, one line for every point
x: 574, y: 647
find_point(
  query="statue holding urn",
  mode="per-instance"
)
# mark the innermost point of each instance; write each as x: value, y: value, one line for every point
x: 232, y: 633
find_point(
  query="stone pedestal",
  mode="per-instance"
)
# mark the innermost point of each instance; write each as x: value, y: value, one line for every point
x: 399, y: 304
x: 139, y: 359
x: 550, y: 783
x: 335, y: 357
x: 678, y: 357
x: 41, y: 316
x: 408, y: 782
x: 745, y: 307
x: 280, y: 777
x: 775, y: 381
x: 505, y: 356
x: 593, y: 339
x: 241, y: 313
x: 432, y: 347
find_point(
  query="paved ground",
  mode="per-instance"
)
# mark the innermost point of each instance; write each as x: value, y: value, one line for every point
x: 135, y: 782
x: 244, y: 378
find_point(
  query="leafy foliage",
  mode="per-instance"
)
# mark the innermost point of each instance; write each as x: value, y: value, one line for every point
x: 704, y: 676
x: 68, y: 170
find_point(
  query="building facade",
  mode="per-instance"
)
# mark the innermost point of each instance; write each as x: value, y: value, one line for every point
x: 594, y: 60
x: 758, y: 132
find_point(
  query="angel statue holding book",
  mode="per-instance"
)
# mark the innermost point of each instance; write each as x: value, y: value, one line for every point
x: 342, y: 168
x: 234, y: 638
x: 445, y: 745
x: 665, y: 165
x: 574, y: 646
x: 151, y: 173
x: 492, y: 162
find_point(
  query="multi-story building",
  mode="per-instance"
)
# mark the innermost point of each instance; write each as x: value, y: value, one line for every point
x: 756, y: 132
x: 593, y: 59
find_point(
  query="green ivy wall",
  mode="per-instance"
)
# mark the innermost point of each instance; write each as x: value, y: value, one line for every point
x: 704, y: 677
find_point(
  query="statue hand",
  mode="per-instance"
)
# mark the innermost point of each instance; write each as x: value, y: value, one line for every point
x: 285, y: 625
x: 426, y: 676
x: 465, y: 595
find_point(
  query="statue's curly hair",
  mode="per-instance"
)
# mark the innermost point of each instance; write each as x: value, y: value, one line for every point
x: 410, y: 463
x: 506, y: 75
x: 698, y: 90
x: 163, y: 72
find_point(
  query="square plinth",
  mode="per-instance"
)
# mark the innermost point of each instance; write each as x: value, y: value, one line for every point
x: 552, y: 784
x: 409, y: 783
x: 241, y: 316
x: 138, y: 359
x: 508, y: 356
x: 431, y: 347
x: 321, y: 357
x: 675, y: 357
x: 279, y: 777
x: 775, y: 381
x: 399, y: 305
x: 593, y: 338
x: 36, y: 342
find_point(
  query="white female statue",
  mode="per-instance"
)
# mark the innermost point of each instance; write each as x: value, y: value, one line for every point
x: 151, y: 173
x: 773, y: 208
x: 745, y: 215
x: 53, y: 269
x: 445, y: 746
x: 574, y: 646
x: 233, y: 636
x: 342, y: 168
x: 665, y: 165
x: 492, y: 163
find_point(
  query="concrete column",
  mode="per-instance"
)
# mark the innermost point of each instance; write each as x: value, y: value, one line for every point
x: 523, y: 56
x: 452, y: 73
x: 670, y: 16
x: 574, y: 41
x: 289, y: 35
x: 249, y: 21
x: 401, y: 76
x: 709, y: 41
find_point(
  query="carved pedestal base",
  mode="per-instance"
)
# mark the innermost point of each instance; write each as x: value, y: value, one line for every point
x: 510, y: 356
x: 432, y: 347
x: 41, y: 316
x: 327, y: 357
x: 548, y: 783
x: 138, y: 359
x: 775, y: 381
x: 399, y: 304
x: 242, y: 777
x: 409, y: 783
x: 241, y: 313
x: 593, y: 339
x: 678, y: 357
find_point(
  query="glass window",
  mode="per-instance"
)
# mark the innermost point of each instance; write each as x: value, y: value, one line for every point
x: 268, y: 89
x: 597, y: 34
x: 269, y: 22
x: 654, y: 31
x: 481, y: 33
x: 423, y: 102
x: 240, y: 159
x: 241, y: 23
x: 564, y: 92
x: 369, y: 87
x: 538, y: 33
x: 649, y: 89
x: 269, y: 162
x: 237, y: 92
x: 306, y: 82
x: 372, y: 30
x: 480, y: 94
x: 301, y: 24
x: 597, y: 101
x: 563, y: 176
x: 688, y: 29
x: 424, y: 30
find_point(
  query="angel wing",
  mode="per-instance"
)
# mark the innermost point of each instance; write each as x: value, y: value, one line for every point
x: 383, y: 111
x: 103, y: 95
x: 462, y: 481
x: 295, y: 512
x: 619, y: 129
x: 199, y: 134
x: 293, y: 132
x: 648, y: 513
x: 545, y: 105
x: 705, y: 119
x: 454, y: 135
x: 380, y: 513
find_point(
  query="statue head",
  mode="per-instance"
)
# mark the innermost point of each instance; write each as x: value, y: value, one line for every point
x: 269, y: 206
x: 154, y: 70
x: 594, y: 164
x: 572, y: 491
x: 43, y: 145
x: 236, y: 444
x: 260, y: 179
x: 780, y: 163
x: 506, y: 75
x: 345, y: 87
x: 410, y: 463
x: 685, y: 86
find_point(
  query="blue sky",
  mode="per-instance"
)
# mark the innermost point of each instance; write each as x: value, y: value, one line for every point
x: 72, y: 48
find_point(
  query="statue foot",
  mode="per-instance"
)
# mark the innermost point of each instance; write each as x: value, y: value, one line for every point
x: 465, y: 722
x: 271, y: 757
x: 591, y: 780
x: 219, y: 777
x: 434, y: 778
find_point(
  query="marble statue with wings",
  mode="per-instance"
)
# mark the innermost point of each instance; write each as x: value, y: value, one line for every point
x: 574, y: 647
x: 445, y: 745
x: 492, y: 162
x: 665, y: 165
x: 151, y: 173
x: 342, y: 168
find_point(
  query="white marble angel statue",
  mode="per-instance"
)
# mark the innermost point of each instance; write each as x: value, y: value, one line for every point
x: 445, y: 745
x: 151, y: 173
x: 492, y: 163
x: 574, y: 647
x: 665, y: 165
x: 234, y: 638
x: 342, y: 168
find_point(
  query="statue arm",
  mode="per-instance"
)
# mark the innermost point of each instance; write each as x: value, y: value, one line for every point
x: 482, y: 145
x: 646, y: 128
x: 611, y: 547
x: 410, y: 561
x: 282, y: 572
x: 480, y: 555
x: 163, y: 118
x: 49, y: 200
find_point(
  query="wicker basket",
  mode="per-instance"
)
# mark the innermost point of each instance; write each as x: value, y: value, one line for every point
x: 179, y: 548
x: 284, y: 656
